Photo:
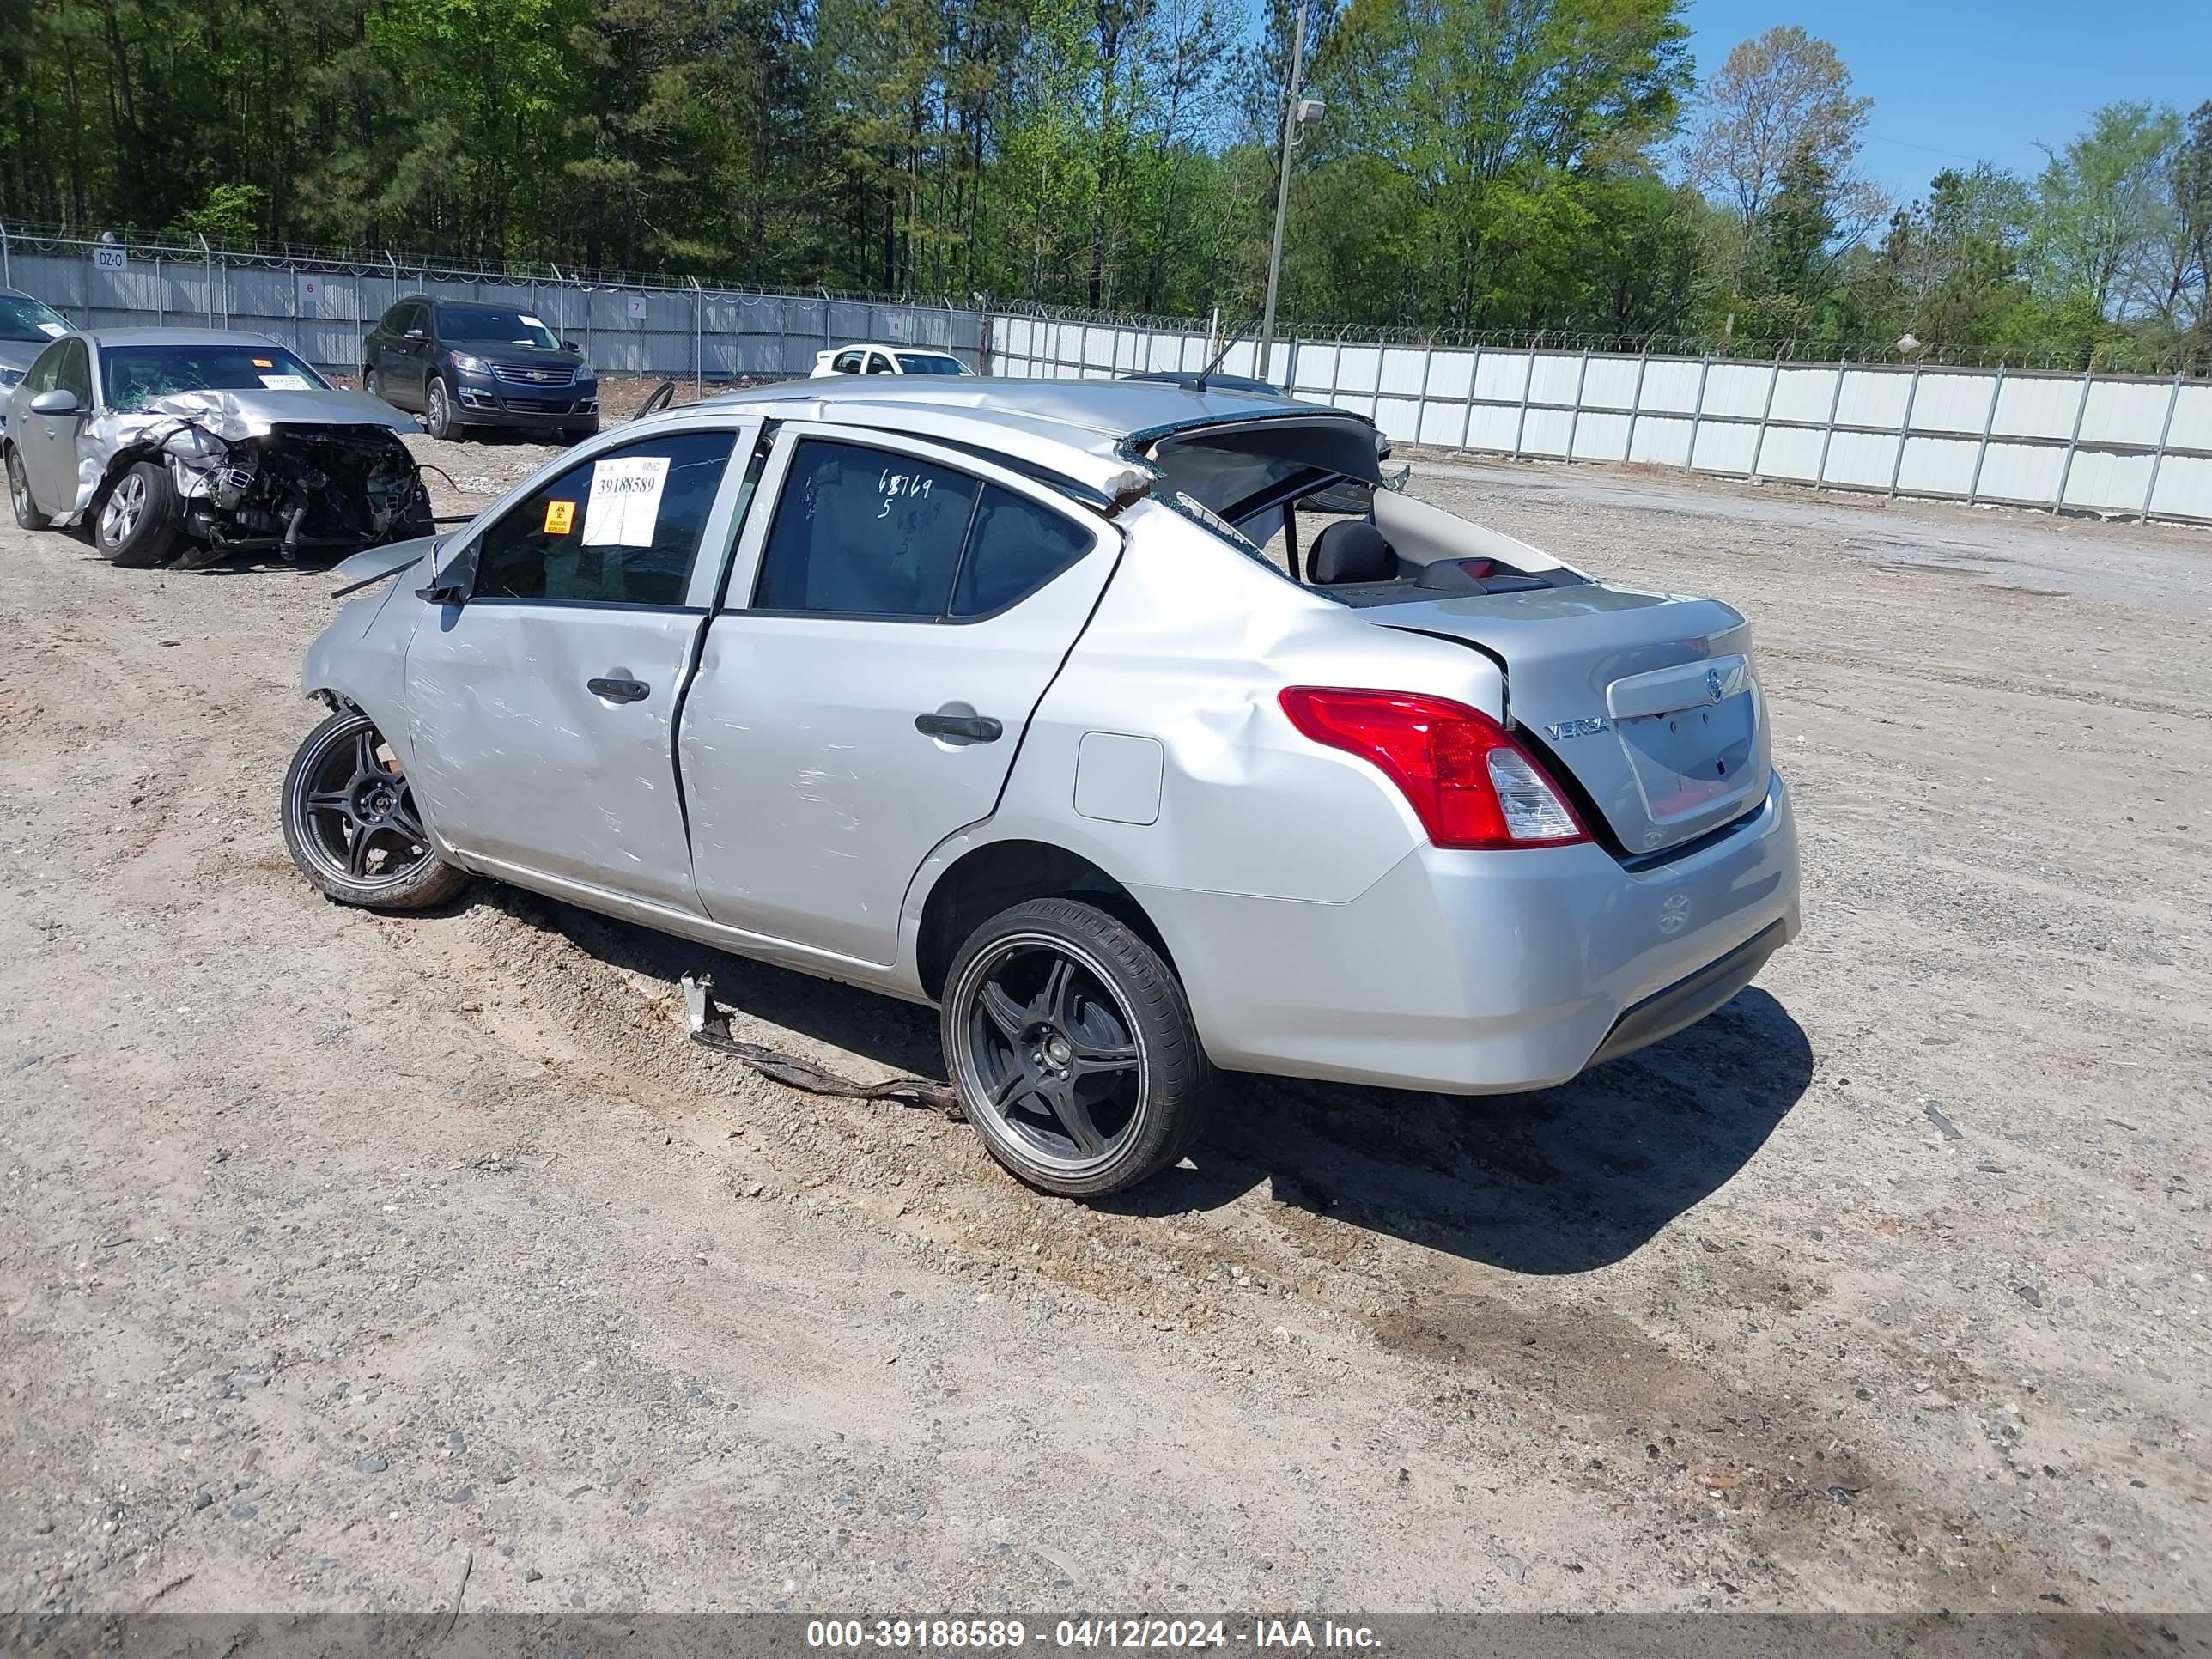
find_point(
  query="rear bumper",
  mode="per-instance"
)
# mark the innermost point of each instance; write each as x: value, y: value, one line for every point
x: 1480, y: 973
x: 1689, y: 999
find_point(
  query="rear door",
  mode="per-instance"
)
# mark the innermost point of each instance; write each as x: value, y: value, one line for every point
x: 891, y: 629
x: 543, y: 708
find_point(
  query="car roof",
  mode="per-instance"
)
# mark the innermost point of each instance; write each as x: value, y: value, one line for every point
x: 443, y: 304
x: 891, y: 345
x: 1086, y: 430
x: 105, y: 338
x: 1177, y: 376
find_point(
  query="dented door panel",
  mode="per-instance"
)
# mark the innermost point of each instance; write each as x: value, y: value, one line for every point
x: 518, y: 760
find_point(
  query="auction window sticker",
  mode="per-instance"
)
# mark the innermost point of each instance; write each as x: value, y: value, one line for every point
x: 285, y: 383
x: 624, y: 506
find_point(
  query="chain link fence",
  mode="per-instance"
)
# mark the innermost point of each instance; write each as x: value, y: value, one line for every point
x: 323, y: 305
x: 2120, y: 445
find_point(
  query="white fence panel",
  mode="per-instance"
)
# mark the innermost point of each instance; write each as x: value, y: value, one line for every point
x: 2184, y: 489
x: 1671, y: 384
x: 2115, y: 443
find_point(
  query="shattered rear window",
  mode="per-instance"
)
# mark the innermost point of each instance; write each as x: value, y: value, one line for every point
x: 136, y: 375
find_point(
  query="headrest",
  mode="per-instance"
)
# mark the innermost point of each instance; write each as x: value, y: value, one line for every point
x: 1351, y: 550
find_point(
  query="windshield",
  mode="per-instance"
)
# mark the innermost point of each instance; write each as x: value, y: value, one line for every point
x: 22, y: 318
x: 489, y: 326
x: 922, y: 363
x: 136, y: 375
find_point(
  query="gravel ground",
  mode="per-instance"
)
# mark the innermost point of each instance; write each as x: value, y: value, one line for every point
x: 346, y: 1259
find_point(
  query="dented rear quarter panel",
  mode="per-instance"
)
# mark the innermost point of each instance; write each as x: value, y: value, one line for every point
x: 1190, y: 646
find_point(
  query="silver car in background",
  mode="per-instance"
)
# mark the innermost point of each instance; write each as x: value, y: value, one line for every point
x: 194, y: 443
x: 985, y: 694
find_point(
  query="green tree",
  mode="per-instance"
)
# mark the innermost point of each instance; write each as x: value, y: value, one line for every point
x: 1484, y: 107
x: 2102, y: 208
x: 1783, y: 99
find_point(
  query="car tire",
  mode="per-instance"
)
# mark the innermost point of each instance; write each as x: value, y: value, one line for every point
x: 575, y: 434
x: 1072, y: 1047
x: 27, y: 516
x: 373, y: 383
x: 438, y: 409
x: 136, y: 522
x: 351, y: 826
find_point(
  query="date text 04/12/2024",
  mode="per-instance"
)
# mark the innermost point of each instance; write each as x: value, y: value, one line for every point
x: 987, y: 1635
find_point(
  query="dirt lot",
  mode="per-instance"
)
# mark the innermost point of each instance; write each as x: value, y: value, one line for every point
x: 346, y: 1259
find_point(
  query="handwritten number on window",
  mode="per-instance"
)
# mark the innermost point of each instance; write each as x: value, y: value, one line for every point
x: 896, y: 484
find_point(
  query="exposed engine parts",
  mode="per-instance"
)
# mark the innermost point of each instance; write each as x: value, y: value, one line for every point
x: 294, y: 488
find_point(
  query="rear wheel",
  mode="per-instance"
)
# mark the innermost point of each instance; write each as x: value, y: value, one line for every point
x: 138, y: 520
x: 1073, y: 1048
x: 351, y: 825
x: 27, y: 516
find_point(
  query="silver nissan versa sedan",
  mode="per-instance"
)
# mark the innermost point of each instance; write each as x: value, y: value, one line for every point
x: 984, y: 694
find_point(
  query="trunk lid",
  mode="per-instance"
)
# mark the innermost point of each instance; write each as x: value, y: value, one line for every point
x: 1649, y: 703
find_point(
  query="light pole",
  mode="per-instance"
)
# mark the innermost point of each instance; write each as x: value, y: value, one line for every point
x: 1298, y: 112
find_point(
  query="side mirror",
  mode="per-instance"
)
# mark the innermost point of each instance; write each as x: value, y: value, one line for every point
x: 570, y: 345
x: 57, y: 402
x: 450, y: 583
x: 413, y: 334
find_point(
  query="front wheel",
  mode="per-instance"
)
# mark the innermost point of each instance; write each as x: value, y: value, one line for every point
x: 438, y: 410
x: 138, y: 520
x: 351, y: 825
x: 1073, y: 1048
x: 27, y: 516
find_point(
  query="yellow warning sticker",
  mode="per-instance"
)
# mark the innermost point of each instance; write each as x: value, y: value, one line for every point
x: 265, y: 362
x: 560, y: 518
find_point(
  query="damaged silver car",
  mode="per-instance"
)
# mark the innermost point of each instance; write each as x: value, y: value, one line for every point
x: 194, y: 445
x: 984, y: 694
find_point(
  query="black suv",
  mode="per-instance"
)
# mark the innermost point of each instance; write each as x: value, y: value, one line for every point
x: 463, y: 364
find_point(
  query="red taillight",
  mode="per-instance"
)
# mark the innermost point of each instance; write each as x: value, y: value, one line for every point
x: 1468, y: 781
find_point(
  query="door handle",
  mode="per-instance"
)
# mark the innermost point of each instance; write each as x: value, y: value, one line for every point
x: 618, y: 688
x: 960, y: 728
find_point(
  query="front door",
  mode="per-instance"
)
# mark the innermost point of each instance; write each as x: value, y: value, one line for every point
x: 865, y: 698
x: 542, y: 708
x: 48, y: 443
x: 406, y: 356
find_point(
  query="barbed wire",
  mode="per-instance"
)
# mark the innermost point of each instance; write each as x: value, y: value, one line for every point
x: 2107, y: 357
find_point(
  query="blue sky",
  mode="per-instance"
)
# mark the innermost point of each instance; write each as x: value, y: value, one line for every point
x: 1957, y: 81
